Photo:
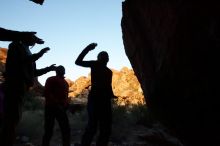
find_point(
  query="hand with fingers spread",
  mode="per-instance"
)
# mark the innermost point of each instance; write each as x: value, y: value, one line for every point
x: 44, y: 50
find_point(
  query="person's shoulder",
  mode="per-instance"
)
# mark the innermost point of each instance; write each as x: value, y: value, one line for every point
x: 109, y: 69
x: 51, y: 78
x: 93, y: 63
x: 65, y: 81
x: 14, y: 44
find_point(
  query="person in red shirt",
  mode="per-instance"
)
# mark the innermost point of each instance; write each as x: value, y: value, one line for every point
x: 56, y: 95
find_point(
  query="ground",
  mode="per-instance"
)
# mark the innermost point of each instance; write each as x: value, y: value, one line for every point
x: 130, y: 128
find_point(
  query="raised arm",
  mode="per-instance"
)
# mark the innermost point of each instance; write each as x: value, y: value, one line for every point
x: 11, y: 35
x: 79, y: 61
x: 36, y: 56
x: 42, y: 71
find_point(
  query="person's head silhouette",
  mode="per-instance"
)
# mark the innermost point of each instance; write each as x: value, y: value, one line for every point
x: 103, y: 57
x: 60, y: 71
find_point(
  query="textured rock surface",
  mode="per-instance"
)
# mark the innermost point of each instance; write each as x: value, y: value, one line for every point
x: 3, y: 55
x: 126, y: 87
x: 172, y: 46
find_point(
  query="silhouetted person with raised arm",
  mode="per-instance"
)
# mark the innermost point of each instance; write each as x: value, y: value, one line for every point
x: 99, y: 99
x: 56, y: 95
x: 20, y: 72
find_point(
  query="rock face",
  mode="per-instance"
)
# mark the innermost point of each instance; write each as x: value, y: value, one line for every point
x: 126, y: 87
x: 124, y: 84
x: 79, y: 89
x: 172, y: 46
x: 3, y: 55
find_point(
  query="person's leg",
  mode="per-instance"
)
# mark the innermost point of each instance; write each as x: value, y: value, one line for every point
x: 48, y: 126
x: 90, y: 128
x: 63, y: 121
x: 8, y: 132
x: 12, y: 115
x: 105, y: 125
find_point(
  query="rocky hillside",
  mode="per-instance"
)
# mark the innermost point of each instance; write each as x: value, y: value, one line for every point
x: 125, y: 86
x: 3, y: 55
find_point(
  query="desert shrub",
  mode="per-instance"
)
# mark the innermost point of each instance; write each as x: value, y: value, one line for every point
x: 125, y: 121
x: 126, y: 118
x: 31, y: 124
x: 141, y: 115
x: 32, y: 102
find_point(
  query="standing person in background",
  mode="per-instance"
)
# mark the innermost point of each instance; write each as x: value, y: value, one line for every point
x: 56, y: 95
x: 20, y: 72
x: 99, y: 99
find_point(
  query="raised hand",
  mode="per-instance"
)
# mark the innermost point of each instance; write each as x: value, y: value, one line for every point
x: 91, y: 46
x: 44, y: 50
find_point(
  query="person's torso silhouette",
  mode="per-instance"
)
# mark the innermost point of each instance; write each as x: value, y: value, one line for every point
x: 101, y: 78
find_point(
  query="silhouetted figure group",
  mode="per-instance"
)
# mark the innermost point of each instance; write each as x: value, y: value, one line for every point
x: 20, y: 75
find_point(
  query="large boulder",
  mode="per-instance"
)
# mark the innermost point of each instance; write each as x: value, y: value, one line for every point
x: 172, y: 46
x: 126, y: 87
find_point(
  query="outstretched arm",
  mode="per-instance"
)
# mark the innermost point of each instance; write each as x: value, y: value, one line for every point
x: 40, y: 72
x: 79, y: 61
x: 11, y: 35
x: 36, y: 56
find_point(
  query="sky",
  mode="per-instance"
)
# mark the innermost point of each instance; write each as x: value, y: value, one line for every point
x: 67, y: 27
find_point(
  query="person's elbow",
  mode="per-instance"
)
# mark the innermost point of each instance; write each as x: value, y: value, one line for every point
x: 78, y: 62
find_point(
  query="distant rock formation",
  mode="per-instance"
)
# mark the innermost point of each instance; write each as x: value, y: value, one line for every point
x: 126, y: 87
x: 3, y: 56
x: 79, y: 89
x: 124, y: 84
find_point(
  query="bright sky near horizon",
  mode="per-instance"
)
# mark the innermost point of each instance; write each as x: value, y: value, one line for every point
x: 67, y: 27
